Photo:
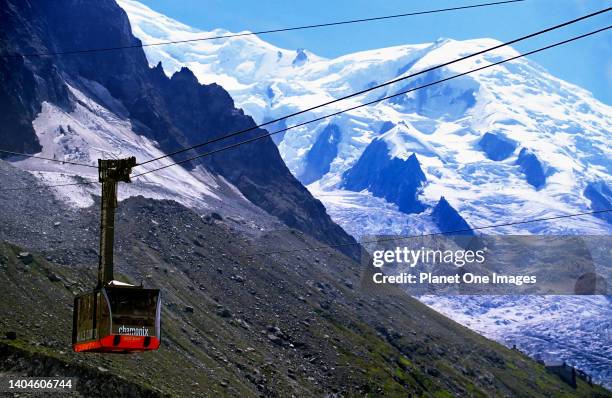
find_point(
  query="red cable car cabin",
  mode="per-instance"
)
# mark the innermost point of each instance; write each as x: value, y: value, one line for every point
x: 118, y: 318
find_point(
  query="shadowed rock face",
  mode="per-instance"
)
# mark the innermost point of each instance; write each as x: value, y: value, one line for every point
x: 176, y: 111
x: 531, y: 166
x: 496, y: 146
x: 300, y: 58
x: 448, y: 219
x: 386, y: 126
x: 600, y: 196
x: 322, y: 154
x: 24, y: 84
x: 398, y: 181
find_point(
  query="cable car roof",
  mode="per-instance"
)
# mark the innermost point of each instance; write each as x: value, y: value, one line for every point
x: 119, y: 283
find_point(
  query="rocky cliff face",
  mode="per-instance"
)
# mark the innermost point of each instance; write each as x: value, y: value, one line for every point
x: 24, y: 82
x: 322, y: 153
x: 398, y: 181
x: 496, y: 146
x: 530, y: 165
x: 175, y: 112
x: 448, y: 219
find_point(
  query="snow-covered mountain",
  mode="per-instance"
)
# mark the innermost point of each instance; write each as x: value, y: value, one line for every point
x: 512, y: 137
x: 511, y: 142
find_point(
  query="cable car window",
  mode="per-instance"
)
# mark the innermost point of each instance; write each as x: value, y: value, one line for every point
x: 103, y: 315
x: 85, y: 318
x: 133, y: 311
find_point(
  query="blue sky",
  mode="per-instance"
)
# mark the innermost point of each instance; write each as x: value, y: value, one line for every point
x: 587, y: 62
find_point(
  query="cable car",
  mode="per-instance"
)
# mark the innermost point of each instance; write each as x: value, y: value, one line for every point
x: 115, y: 317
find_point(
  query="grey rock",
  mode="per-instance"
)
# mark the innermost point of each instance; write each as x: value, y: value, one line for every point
x: 54, y: 278
x: 25, y: 257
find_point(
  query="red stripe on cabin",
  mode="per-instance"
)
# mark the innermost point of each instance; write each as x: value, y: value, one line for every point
x: 126, y: 344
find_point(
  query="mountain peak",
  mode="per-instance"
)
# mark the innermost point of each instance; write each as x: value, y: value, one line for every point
x: 448, y: 219
x: 440, y: 41
x: 300, y: 58
x: 185, y: 74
